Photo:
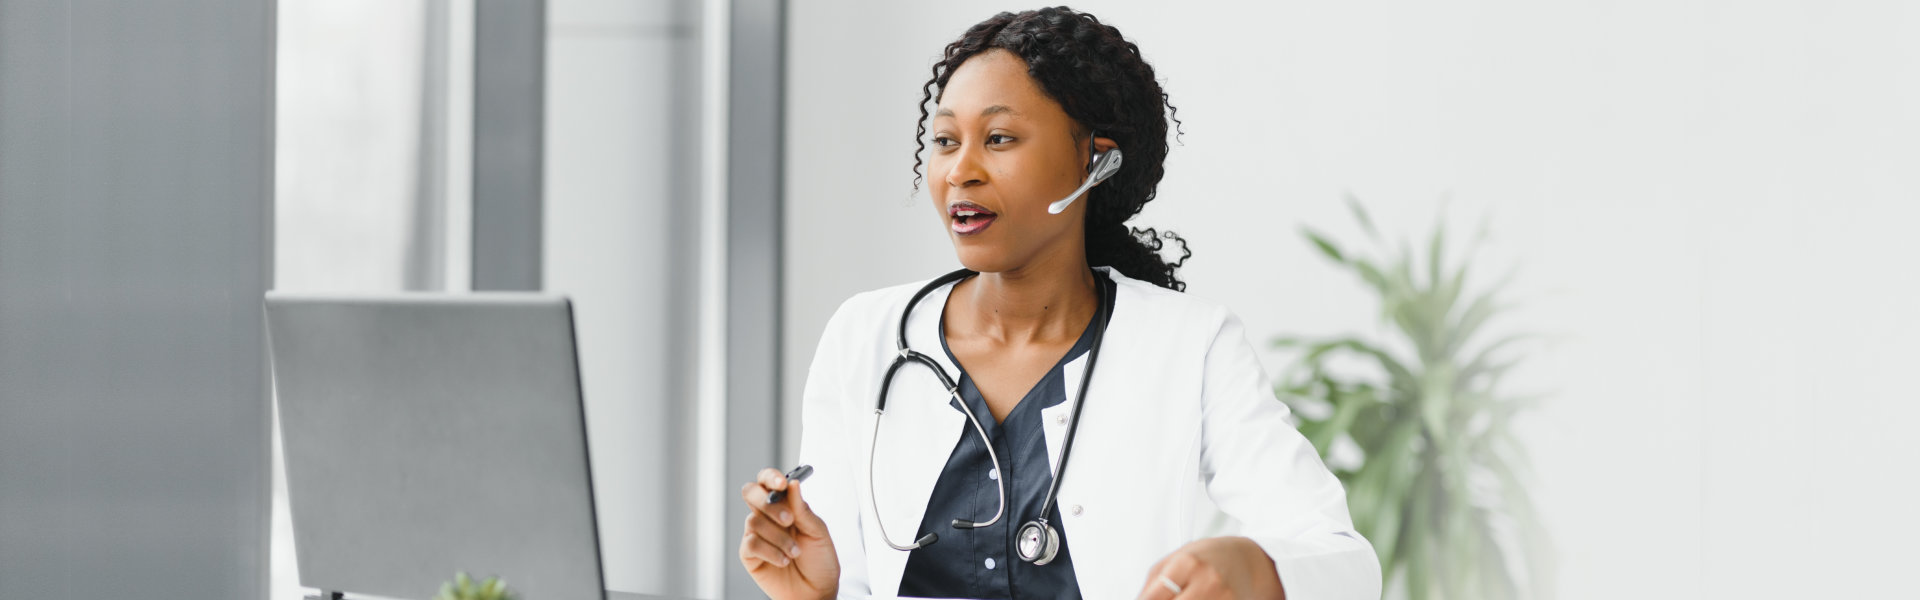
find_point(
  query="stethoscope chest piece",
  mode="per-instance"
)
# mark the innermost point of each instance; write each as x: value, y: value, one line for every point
x: 1038, y: 542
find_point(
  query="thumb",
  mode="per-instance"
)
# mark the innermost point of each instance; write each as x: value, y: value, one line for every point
x: 804, y: 519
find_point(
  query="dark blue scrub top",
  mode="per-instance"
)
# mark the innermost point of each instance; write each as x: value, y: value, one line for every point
x: 982, y: 563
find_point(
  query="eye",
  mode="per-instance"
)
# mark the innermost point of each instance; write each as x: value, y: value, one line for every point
x: 998, y: 139
x: 943, y: 141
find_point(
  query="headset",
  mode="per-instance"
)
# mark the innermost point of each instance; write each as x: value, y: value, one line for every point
x: 1099, y: 168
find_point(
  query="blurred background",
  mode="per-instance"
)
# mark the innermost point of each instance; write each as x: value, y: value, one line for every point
x: 1706, y: 210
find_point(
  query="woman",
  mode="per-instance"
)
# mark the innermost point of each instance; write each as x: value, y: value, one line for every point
x: 1125, y: 415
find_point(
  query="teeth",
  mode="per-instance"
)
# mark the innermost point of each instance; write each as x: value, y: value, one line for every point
x: 965, y: 213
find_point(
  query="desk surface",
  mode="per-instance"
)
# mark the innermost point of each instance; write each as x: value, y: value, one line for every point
x: 611, y: 595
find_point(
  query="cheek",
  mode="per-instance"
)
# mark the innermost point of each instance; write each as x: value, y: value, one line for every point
x: 936, y: 176
x: 937, y: 190
x: 1036, y: 186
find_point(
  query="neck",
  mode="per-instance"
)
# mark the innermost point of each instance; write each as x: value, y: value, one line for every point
x: 1042, y: 302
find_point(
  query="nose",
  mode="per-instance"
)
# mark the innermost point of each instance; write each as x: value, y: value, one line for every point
x: 966, y: 170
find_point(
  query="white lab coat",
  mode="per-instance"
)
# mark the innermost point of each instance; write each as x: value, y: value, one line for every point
x: 1180, y: 426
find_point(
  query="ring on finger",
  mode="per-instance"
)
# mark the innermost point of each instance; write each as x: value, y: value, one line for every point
x: 1175, y: 587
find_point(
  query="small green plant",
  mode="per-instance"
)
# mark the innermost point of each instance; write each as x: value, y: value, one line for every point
x: 1439, y: 488
x: 464, y: 588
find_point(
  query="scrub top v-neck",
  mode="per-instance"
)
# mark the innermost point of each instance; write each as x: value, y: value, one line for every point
x: 981, y: 563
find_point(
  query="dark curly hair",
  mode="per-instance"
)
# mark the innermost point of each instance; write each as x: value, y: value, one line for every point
x: 1106, y: 87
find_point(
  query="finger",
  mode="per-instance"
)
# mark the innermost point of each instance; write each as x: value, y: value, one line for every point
x: 1158, y: 566
x: 1199, y: 580
x: 1156, y: 589
x: 778, y: 492
x: 773, y: 533
x: 1172, y: 569
x: 773, y: 479
x: 755, y: 494
x: 754, y: 548
x: 805, y: 520
x: 1203, y: 583
x: 747, y: 557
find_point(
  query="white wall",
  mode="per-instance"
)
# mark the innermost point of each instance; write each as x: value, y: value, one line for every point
x: 621, y: 222
x: 623, y: 164
x: 349, y: 79
x: 1712, y: 201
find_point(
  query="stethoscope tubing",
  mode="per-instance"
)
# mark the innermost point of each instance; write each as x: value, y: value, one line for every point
x: 931, y: 537
x: 907, y: 355
x: 1073, y: 423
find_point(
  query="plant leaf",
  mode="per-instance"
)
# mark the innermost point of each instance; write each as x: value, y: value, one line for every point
x: 1436, y: 253
x: 1326, y: 247
x: 1440, y: 489
x: 1360, y: 214
x: 1372, y: 275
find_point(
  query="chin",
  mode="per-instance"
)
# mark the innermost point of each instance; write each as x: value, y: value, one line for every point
x: 982, y: 258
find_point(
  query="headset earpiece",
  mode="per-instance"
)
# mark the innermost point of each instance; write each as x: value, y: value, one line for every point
x: 1102, y: 166
x: 1105, y: 164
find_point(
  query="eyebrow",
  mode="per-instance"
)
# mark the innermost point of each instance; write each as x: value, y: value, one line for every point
x: 991, y: 110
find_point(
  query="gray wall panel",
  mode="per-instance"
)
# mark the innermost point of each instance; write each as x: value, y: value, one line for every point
x: 509, y: 57
x: 756, y: 42
x: 135, y: 195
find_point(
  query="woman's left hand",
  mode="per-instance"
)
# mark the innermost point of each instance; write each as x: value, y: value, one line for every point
x: 1220, y: 567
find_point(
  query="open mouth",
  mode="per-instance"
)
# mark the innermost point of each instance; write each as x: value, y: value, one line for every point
x: 968, y: 218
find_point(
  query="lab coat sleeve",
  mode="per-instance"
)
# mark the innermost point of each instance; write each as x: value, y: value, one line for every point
x: 1262, y: 471
x: 826, y: 435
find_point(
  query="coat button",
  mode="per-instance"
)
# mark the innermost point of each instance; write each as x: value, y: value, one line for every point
x: 1076, y: 510
x: 1060, y: 419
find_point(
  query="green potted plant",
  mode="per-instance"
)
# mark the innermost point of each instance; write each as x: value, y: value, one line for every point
x: 1440, y: 485
x: 465, y: 588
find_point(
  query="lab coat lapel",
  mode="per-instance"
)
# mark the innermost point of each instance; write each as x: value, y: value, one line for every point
x: 1114, y: 526
x: 916, y: 437
x: 1055, y: 418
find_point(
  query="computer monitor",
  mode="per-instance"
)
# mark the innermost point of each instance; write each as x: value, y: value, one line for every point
x: 432, y: 433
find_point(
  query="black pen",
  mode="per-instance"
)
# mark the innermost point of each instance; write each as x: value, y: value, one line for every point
x: 798, y: 474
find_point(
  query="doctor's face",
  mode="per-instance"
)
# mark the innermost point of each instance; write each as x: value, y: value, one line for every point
x: 1002, y: 150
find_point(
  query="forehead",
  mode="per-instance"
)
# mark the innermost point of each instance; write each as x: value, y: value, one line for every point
x: 996, y: 78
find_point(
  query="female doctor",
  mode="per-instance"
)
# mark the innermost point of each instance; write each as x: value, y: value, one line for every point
x: 1056, y: 420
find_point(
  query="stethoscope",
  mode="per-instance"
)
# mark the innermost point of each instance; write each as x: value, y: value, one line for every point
x: 1037, y: 541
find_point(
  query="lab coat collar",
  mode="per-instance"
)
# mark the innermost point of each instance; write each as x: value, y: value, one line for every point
x: 923, y: 335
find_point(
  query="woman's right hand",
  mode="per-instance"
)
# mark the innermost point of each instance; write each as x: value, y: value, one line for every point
x: 786, y: 547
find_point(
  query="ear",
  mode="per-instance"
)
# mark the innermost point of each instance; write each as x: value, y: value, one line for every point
x: 1102, y: 144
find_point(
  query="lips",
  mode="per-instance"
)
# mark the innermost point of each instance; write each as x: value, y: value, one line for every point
x: 968, y: 218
